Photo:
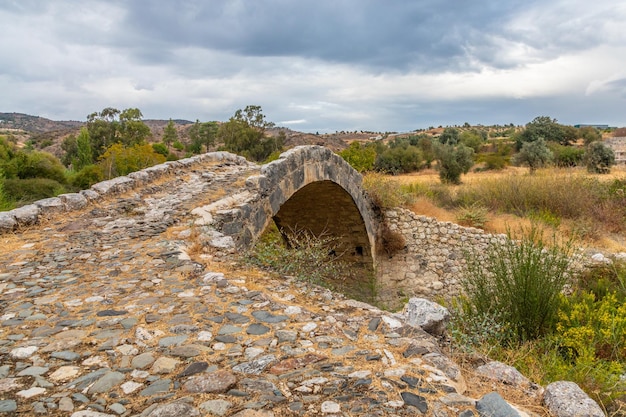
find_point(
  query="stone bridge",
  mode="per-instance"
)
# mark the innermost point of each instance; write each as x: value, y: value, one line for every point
x: 308, y: 188
x: 123, y: 300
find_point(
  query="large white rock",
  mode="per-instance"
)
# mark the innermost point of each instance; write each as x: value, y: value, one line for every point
x: 566, y: 399
x: 423, y: 313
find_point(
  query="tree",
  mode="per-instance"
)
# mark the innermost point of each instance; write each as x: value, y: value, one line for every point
x: 360, y: 157
x: 202, y: 134
x: 133, y: 131
x: 471, y: 139
x: 113, y: 126
x: 542, y: 127
x: 449, y: 136
x: 244, y: 134
x: 599, y: 158
x: 121, y: 160
x: 399, y: 159
x: 170, y: 135
x: 590, y: 134
x: 452, y: 161
x: 84, y: 152
x: 534, y: 154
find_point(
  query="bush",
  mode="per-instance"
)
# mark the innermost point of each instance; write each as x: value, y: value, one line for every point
x: 398, y: 160
x: 566, y: 156
x: 121, y: 160
x: 519, y: 282
x: 87, y: 176
x: 359, y: 157
x: 160, y: 148
x: 599, y: 158
x: 36, y: 165
x: 26, y: 191
x: 535, y: 154
x: 5, y: 201
x: 453, y: 161
x: 474, y: 215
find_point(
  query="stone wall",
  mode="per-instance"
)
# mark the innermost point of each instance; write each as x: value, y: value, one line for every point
x: 431, y: 263
x: 32, y: 213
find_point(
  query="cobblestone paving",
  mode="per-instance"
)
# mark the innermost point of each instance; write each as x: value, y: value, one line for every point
x: 102, y: 312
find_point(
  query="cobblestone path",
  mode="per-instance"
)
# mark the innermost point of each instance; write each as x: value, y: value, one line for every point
x: 113, y: 311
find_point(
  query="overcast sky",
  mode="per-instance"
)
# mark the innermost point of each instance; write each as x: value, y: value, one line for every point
x: 318, y: 65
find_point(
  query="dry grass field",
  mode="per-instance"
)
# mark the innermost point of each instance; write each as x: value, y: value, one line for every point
x: 610, y: 240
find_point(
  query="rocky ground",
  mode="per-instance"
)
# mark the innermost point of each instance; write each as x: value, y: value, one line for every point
x: 125, y: 308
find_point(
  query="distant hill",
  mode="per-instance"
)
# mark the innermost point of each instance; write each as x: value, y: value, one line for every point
x: 35, y: 124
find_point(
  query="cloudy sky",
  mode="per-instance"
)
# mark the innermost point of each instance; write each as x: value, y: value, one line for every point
x: 318, y: 65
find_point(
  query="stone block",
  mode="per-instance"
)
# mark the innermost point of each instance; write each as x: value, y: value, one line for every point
x: 565, y: 399
x: 73, y: 201
x: 25, y: 215
x: 429, y: 316
x: 52, y: 205
x: 7, y: 221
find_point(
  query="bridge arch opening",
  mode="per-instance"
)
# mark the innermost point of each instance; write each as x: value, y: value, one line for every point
x: 324, y: 208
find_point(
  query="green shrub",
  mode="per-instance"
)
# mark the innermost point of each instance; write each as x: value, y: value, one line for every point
x: 519, y: 282
x: 33, y: 164
x: 398, y: 160
x: 452, y: 161
x: 599, y: 158
x: 160, y: 148
x: 87, y: 176
x: 178, y: 145
x: 359, y: 157
x: 565, y: 155
x: 494, y: 161
x: 26, y: 191
x: 5, y: 201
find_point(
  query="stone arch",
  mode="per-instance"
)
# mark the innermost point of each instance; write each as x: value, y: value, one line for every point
x: 312, y: 188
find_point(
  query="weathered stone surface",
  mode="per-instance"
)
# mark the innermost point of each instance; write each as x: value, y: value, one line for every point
x: 431, y: 317
x: 50, y: 205
x: 565, y: 399
x: 107, y: 382
x: 25, y: 215
x: 503, y: 373
x: 175, y: 409
x: 493, y: 405
x: 216, y: 407
x: 73, y: 201
x: 215, y: 382
x: 7, y: 221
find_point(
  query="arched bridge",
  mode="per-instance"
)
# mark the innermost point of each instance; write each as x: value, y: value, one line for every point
x: 308, y: 188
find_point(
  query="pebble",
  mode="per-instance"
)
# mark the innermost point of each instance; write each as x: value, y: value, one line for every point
x: 104, y: 313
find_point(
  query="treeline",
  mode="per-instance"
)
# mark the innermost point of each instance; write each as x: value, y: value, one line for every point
x: 455, y: 151
x: 114, y: 143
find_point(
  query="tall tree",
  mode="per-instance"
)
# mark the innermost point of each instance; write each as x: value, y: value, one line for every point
x: 202, y: 134
x: 84, y: 151
x: 244, y: 134
x: 543, y: 127
x: 170, y: 135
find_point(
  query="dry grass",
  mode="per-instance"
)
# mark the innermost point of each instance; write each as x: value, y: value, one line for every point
x: 567, y: 195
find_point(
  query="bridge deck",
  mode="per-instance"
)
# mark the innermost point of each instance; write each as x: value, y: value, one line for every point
x: 99, y: 311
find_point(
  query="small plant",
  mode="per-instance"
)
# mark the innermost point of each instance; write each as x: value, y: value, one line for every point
x: 519, y: 282
x: 315, y: 259
x: 390, y: 241
x: 384, y: 192
x: 473, y: 215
